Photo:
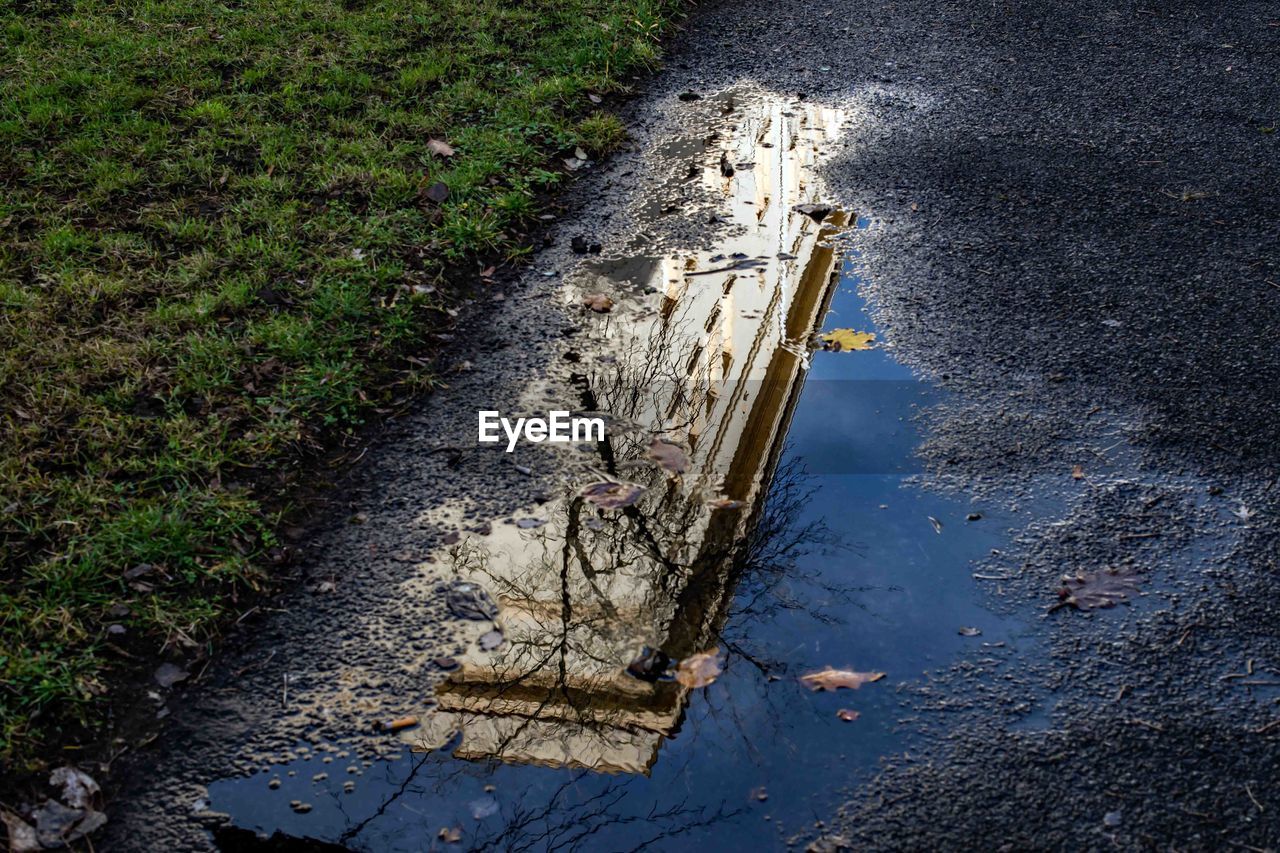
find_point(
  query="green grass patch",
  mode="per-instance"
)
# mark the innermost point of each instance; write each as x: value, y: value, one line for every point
x: 214, y: 241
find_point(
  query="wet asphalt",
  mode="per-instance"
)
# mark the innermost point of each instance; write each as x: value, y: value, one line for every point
x: 1074, y: 229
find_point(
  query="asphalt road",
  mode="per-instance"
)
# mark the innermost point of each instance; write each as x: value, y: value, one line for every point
x: 1074, y: 228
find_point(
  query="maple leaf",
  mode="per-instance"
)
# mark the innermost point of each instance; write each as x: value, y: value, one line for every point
x: 844, y: 340
x: 834, y: 679
x: 699, y: 670
x: 1095, y: 590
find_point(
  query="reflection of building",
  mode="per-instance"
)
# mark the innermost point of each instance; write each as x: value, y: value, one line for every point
x: 717, y: 366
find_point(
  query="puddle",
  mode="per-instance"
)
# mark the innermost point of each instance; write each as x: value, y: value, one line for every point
x: 828, y: 556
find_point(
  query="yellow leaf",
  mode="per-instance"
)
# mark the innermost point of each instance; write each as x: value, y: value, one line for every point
x: 841, y: 340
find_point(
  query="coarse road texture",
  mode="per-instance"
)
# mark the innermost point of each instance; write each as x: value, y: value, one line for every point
x: 1074, y: 228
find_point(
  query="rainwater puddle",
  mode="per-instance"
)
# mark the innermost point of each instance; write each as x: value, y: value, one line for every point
x: 792, y: 541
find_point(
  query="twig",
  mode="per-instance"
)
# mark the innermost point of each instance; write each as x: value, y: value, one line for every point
x: 1249, y: 791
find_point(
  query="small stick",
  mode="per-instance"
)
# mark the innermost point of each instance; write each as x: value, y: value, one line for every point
x: 1249, y: 791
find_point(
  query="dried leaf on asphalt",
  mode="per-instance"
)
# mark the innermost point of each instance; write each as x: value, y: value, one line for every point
x: 167, y: 674
x: 598, y: 303
x: 1095, y: 590
x: 22, y: 835
x: 847, y: 715
x: 816, y: 212
x: 78, y: 787
x: 467, y: 600
x: 440, y: 148
x: 670, y: 457
x: 699, y: 670
x: 845, y: 340
x: 834, y: 679
x: 613, y: 495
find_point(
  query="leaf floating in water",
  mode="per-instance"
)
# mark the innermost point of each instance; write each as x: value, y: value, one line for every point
x: 937, y: 525
x: 967, y: 631
x: 651, y: 665
x: 834, y: 679
x: 725, y: 503
x: 467, y: 600
x: 598, y: 302
x: 848, y: 715
x: 846, y: 340
x: 1096, y: 590
x: 816, y: 212
x: 1077, y: 472
x: 669, y: 456
x: 613, y: 495
x: 699, y: 670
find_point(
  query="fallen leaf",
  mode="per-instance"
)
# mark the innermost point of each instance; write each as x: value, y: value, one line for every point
x: 613, y: 495
x: 967, y: 631
x: 651, y: 665
x: 598, y: 303
x: 78, y: 787
x: 451, y: 835
x: 669, y: 456
x: 816, y: 212
x: 937, y: 525
x: 595, y: 99
x: 440, y: 148
x: 58, y: 825
x: 22, y: 835
x: 491, y: 640
x: 1077, y: 472
x: 467, y: 600
x: 437, y: 192
x: 846, y: 340
x: 834, y: 679
x: 1095, y: 590
x: 699, y: 670
x: 167, y: 674
x: 847, y: 715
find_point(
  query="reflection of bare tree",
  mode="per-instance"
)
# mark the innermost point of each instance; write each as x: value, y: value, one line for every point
x: 716, y: 365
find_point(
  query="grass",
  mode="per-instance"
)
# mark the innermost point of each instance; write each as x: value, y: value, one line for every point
x: 217, y: 255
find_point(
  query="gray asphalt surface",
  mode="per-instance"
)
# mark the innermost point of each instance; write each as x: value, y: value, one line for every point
x: 1075, y: 229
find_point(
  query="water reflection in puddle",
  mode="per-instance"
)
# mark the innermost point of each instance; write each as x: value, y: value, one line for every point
x: 831, y: 559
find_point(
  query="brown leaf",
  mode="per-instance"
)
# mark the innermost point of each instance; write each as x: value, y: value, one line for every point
x: 847, y: 715
x: 22, y: 835
x: 436, y: 193
x: 613, y: 495
x: 440, y: 148
x: 598, y: 303
x: 699, y: 670
x: 669, y: 456
x: 1077, y: 472
x: 834, y: 679
x: 1096, y: 590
